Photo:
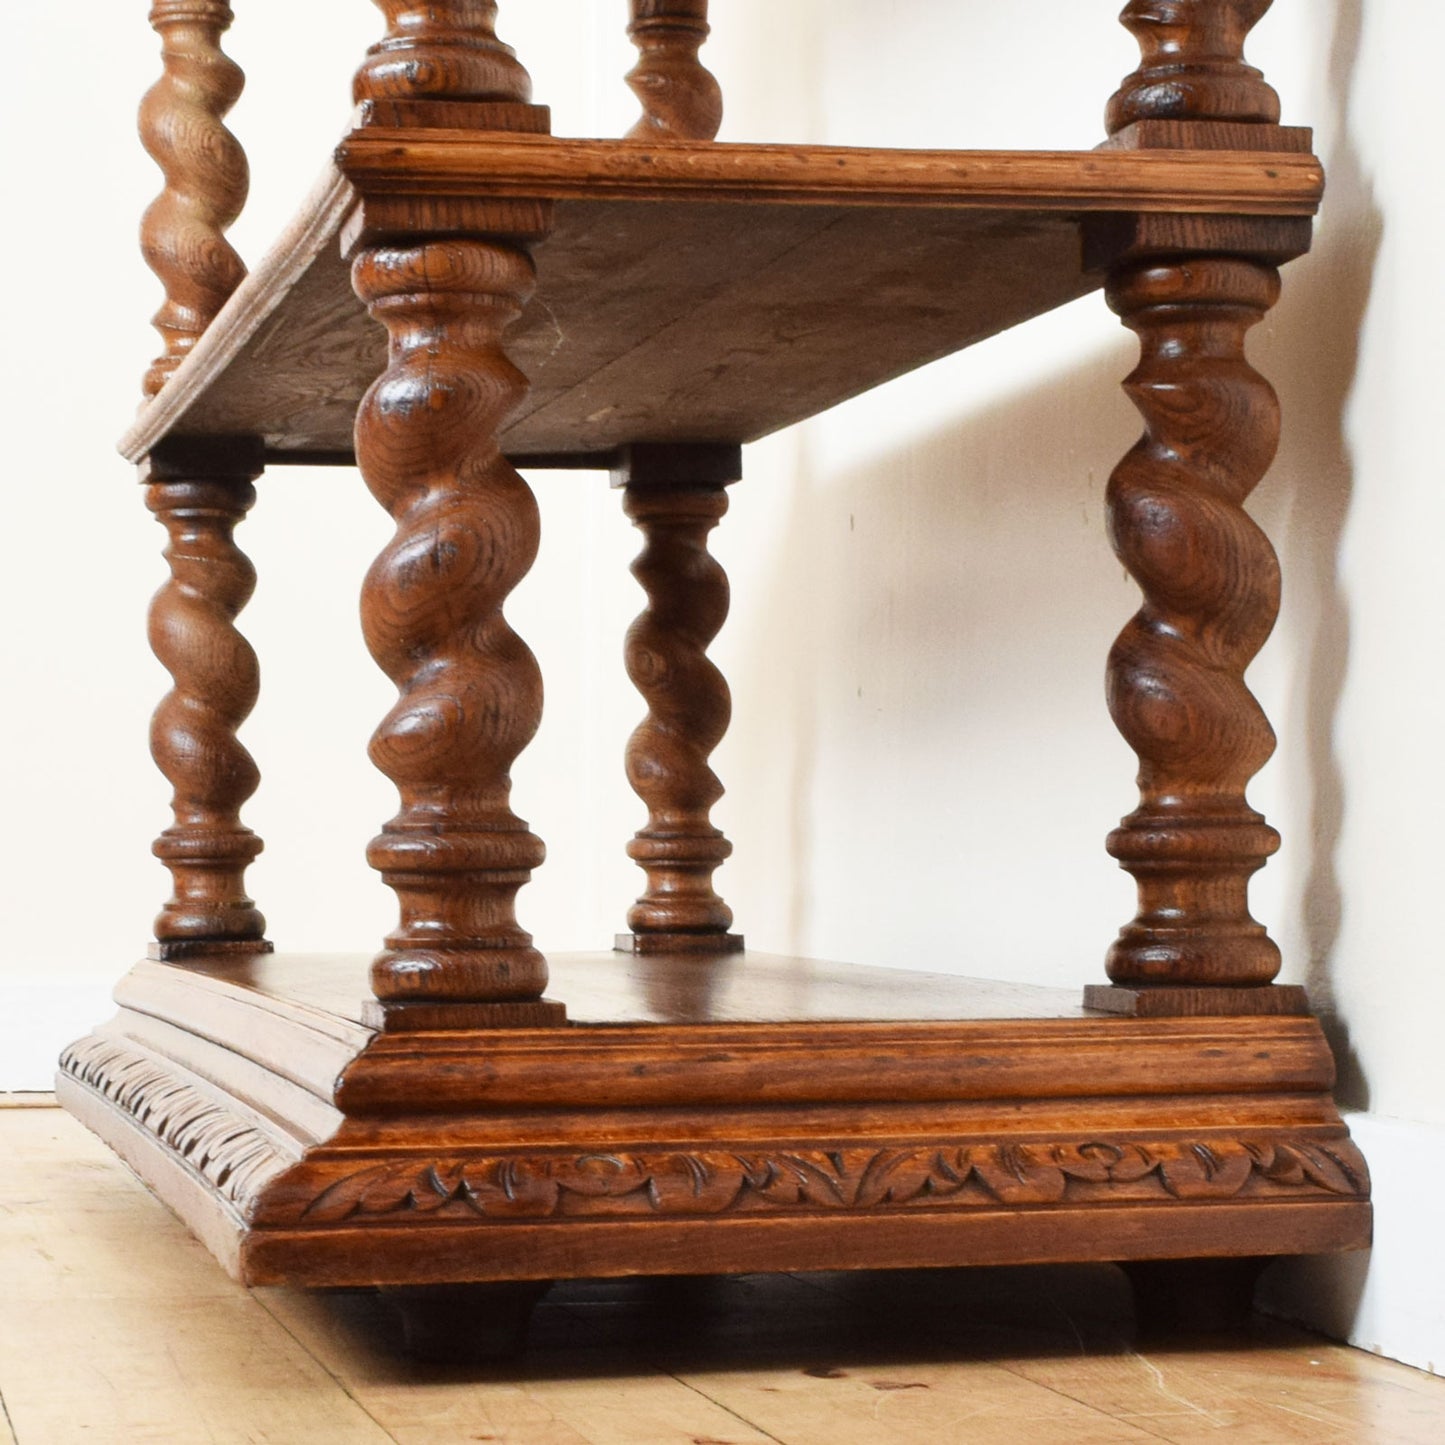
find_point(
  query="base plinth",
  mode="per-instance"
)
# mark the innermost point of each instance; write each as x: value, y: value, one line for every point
x: 709, y: 1115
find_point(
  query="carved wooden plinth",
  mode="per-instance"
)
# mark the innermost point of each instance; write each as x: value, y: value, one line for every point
x: 470, y: 691
x: 193, y: 733
x: 311, y: 1150
x: 681, y: 99
x: 183, y: 232
x: 675, y: 497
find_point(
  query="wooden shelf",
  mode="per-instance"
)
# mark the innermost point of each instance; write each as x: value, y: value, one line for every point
x: 693, y: 292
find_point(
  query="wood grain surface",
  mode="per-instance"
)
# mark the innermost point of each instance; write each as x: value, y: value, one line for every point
x: 681, y: 99
x: 666, y: 319
x: 216, y: 682
x: 675, y: 502
x: 183, y: 231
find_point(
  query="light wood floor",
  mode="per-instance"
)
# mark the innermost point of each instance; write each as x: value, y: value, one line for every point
x: 117, y: 1328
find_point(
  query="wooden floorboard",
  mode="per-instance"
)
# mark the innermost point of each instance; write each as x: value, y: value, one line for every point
x: 118, y: 1327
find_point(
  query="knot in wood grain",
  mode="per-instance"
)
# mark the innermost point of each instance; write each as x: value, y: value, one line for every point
x: 1192, y: 64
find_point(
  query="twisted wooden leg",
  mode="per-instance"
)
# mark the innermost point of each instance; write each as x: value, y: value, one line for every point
x: 183, y: 231
x: 193, y: 733
x: 1211, y: 593
x: 675, y: 497
x: 470, y: 690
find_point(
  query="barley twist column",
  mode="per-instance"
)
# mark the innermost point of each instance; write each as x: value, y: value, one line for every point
x: 470, y: 690
x: 193, y: 734
x: 1190, y: 288
x: 1211, y: 594
x: 183, y: 231
x: 680, y: 97
x: 675, y: 497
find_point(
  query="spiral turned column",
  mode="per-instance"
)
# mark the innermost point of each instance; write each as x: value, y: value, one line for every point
x: 470, y: 690
x: 688, y: 709
x: 1211, y: 594
x: 206, y: 179
x: 681, y: 99
x: 1192, y: 65
x: 193, y: 733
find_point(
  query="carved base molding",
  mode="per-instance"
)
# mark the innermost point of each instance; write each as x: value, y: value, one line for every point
x: 321, y: 1152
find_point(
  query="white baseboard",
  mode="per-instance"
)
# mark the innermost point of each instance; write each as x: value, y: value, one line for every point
x: 1389, y: 1299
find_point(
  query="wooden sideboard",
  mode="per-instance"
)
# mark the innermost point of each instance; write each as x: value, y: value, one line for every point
x: 464, y: 296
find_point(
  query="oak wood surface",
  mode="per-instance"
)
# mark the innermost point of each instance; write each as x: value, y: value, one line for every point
x: 206, y: 179
x: 701, y: 290
x: 675, y: 497
x: 681, y: 99
x: 216, y: 682
x: 173, y: 1350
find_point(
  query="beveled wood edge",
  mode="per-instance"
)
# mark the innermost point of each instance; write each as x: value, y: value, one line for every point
x: 318, y: 222
x: 420, y: 163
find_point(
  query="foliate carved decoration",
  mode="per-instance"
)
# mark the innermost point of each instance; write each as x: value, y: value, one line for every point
x: 811, y: 1180
x: 1211, y: 593
x: 681, y: 99
x: 688, y: 709
x: 193, y: 732
x: 1192, y: 65
x: 235, y: 1157
x: 206, y: 179
x: 441, y: 50
x: 467, y: 530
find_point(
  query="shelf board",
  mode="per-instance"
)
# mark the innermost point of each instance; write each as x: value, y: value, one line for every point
x: 692, y: 292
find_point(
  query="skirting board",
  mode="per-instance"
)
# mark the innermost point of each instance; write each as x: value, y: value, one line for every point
x: 1390, y: 1299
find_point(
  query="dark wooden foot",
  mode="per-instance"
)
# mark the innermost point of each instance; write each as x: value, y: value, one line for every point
x: 1192, y: 1296
x: 466, y: 1323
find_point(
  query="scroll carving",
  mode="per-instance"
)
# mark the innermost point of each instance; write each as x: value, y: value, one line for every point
x: 193, y: 732
x: 206, y: 179
x: 225, y: 1149
x: 1211, y: 593
x: 470, y: 690
x: 441, y: 50
x: 681, y: 99
x: 1103, y: 1172
x: 1192, y: 64
x: 688, y: 708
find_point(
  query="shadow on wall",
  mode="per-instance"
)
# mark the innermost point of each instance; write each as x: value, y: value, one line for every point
x: 1312, y: 356
x: 929, y: 657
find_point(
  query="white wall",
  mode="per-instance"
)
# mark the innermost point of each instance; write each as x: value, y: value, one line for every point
x: 922, y: 593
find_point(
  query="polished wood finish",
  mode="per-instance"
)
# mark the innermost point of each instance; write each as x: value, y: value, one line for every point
x: 675, y: 496
x: 183, y: 232
x: 651, y: 301
x: 427, y: 1119
x: 1211, y: 593
x: 846, y: 1359
x: 470, y: 691
x: 312, y: 1150
x: 1191, y: 290
x: 199, y: 495
x: 681, y: 99
x: 1192, y: 64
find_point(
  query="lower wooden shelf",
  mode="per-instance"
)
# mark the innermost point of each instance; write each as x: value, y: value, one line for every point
x: 695, y: 1116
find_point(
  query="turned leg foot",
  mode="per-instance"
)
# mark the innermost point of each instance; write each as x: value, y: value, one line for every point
x: 1192, y: 1296
x: 466, y: 1323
